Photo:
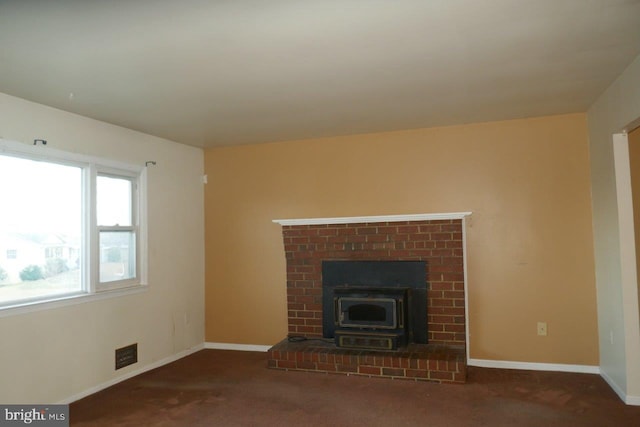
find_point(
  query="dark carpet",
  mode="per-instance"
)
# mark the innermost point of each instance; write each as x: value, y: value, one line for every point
x: 229, y: 388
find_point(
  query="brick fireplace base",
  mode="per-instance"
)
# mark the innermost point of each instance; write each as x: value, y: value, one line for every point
x: 419, y: 362
x: 436, y: 242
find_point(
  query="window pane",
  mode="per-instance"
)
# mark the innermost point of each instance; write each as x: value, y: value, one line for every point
x: 114, y: 201
x: 40, y: 229
x: 117, y: 255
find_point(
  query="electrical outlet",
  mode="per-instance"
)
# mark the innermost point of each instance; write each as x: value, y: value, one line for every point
x: 542, y: 328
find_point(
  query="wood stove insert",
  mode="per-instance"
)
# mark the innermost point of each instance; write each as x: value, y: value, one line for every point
x: 378, y: 305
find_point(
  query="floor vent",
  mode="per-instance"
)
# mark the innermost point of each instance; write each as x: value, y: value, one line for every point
x: 126, y: 356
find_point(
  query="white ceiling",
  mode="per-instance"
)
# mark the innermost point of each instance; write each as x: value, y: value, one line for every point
x: 210, y: 73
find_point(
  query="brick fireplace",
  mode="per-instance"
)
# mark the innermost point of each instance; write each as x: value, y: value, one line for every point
x: 436, y: 242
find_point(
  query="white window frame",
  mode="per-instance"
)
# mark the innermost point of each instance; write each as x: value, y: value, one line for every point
x: 134, y: 227
x: 92, y: 167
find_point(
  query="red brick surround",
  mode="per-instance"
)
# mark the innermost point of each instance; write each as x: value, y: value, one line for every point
x: 437, y: 242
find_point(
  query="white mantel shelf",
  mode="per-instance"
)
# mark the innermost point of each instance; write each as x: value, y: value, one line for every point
x: 370, y: 219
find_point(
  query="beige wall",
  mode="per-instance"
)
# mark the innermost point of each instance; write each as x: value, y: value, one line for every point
x: 614, y: 111
x: 52, y: 355
x: 530, y: 251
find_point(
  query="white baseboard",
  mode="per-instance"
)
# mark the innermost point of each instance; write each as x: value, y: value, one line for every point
x: 131, y: 374
x: 632, y: 400
x: 237, y: 347
x: 629, y: 400
x: 616, y: 388
x: 504, y: 364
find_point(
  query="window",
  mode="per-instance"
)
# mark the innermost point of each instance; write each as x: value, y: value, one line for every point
x: 116, y: 231
x: 53, y: 252
x: 70, y: 225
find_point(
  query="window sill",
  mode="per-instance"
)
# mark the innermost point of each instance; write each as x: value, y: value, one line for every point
x: 67, y: 300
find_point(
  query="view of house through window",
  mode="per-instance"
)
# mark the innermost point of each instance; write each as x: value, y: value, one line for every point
x: 40, y: 229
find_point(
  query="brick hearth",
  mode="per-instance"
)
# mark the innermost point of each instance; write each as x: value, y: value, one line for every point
x: 437, y: 242
x: 420, y: 362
